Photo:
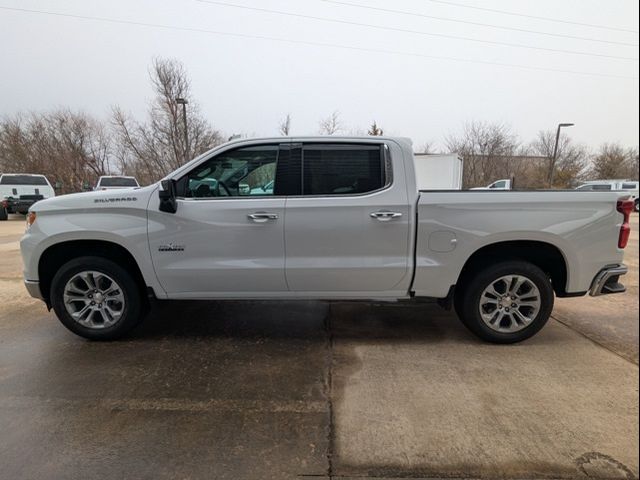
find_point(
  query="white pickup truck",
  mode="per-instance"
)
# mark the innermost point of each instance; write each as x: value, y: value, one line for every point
x: 18, y: 191
x: 327, y: 218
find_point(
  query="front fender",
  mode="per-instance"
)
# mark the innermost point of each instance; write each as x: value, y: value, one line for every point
x: 124, y: 227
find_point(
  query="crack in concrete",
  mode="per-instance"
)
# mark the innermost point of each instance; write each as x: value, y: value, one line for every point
x: 328, y: 387
x: 592, y: 340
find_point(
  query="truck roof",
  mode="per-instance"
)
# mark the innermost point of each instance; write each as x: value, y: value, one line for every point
x: 117, y: 176
x: 29, y: 174
x: 319, y: 138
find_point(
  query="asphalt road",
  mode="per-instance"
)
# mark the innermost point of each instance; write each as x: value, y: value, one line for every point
x: 284, y: 390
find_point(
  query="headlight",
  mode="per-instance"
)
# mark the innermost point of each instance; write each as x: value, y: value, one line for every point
x: 31, y: 218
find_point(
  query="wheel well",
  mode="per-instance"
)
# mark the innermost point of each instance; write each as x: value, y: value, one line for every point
x: 545, y: 256
x: 57, y: 255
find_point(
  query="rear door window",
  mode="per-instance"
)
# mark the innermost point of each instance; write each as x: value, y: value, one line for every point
x: 342, y: 169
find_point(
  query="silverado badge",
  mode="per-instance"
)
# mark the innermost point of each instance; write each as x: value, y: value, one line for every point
x: 171, y: 247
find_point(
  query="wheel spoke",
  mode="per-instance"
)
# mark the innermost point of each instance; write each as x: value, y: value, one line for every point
x: 518, y: 282
x: 106, y: 319
x: 76, y: 299
x: 497, y: 318
x: 88, y: 280
x: 72, y: 288
x: 80, y: 313
x: 489, y: 300
x: 520, y: 316
x: 115, y: 314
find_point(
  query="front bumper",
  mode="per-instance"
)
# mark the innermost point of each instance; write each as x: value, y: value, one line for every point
x: 33, y: 287
x: 607, y: 281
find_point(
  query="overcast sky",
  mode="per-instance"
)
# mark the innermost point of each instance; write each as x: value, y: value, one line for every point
x: 246, y: 85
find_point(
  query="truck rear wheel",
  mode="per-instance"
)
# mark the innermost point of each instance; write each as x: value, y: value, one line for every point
x: 506, y: 302
x: 3, y: 213
x: 96, y: 298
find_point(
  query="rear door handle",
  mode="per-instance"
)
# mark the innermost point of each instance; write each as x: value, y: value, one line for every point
x: 385, y: 216
x: 261, y: 217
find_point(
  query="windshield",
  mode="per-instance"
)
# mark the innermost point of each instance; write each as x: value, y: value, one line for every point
x: 118, y: 182
x: 23, y: 180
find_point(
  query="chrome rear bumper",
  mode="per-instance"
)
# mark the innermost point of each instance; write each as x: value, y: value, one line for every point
x: 606, y: 281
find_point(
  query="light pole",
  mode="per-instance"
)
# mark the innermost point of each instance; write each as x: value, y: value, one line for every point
x: 555, y: 152
x: 183, y: 102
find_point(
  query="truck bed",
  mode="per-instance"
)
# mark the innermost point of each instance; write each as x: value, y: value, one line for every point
x: 453, y: 225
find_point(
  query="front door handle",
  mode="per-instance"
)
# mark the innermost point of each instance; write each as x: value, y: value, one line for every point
x: 261, y: 217
x: 385, y: 216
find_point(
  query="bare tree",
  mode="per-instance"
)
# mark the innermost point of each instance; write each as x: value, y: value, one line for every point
x: 614, y: 161
x: 428, y: 148
x: 635, y: 163
x: 488, y: 151
x: 152, y: 149
x: 69, y: 148
x: 284, y: 127
x: 571, y: 160
x: 331, y: 125
x: 375, y: 130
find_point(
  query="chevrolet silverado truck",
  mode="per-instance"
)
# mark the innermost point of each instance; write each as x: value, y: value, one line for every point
x: 321, y: 218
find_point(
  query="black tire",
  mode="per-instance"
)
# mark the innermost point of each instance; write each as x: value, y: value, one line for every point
x: 4, y: 215
x: 636, y: 206
x: 132, y: 312
x: 468, y: 296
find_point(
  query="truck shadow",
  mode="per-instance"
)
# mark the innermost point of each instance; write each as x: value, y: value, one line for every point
x: 363, y: 321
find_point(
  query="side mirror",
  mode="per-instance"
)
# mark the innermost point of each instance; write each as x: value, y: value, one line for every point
x: 167, y: 195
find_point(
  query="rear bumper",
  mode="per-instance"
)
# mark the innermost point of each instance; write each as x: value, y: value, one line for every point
x: 14, y: 205
x: 33, y: 287
x: 607, y: 281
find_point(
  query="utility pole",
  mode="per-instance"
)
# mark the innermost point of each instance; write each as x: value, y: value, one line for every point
x: 183, y: 102
x: 555, y: 152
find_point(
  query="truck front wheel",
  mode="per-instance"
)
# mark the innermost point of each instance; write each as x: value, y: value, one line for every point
x: 96, y: 298
x: 3, y: 212
x: 506, y: 302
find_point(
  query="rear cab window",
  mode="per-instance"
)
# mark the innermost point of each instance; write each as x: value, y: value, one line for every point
x: 343, y: 169
x: 23, y: 180
x: 118, y: 182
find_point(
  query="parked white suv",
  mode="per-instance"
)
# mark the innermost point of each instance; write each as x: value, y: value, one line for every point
x: 18, y: 191
x: 630, y: 186
x: 323, y: 218
x: 112, y: 182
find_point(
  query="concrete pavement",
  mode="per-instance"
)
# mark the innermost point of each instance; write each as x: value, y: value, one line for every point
x: 293, y: 389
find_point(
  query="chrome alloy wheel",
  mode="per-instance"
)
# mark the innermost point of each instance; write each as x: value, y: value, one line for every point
x: 510, y: 303
x: 94, y: 299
